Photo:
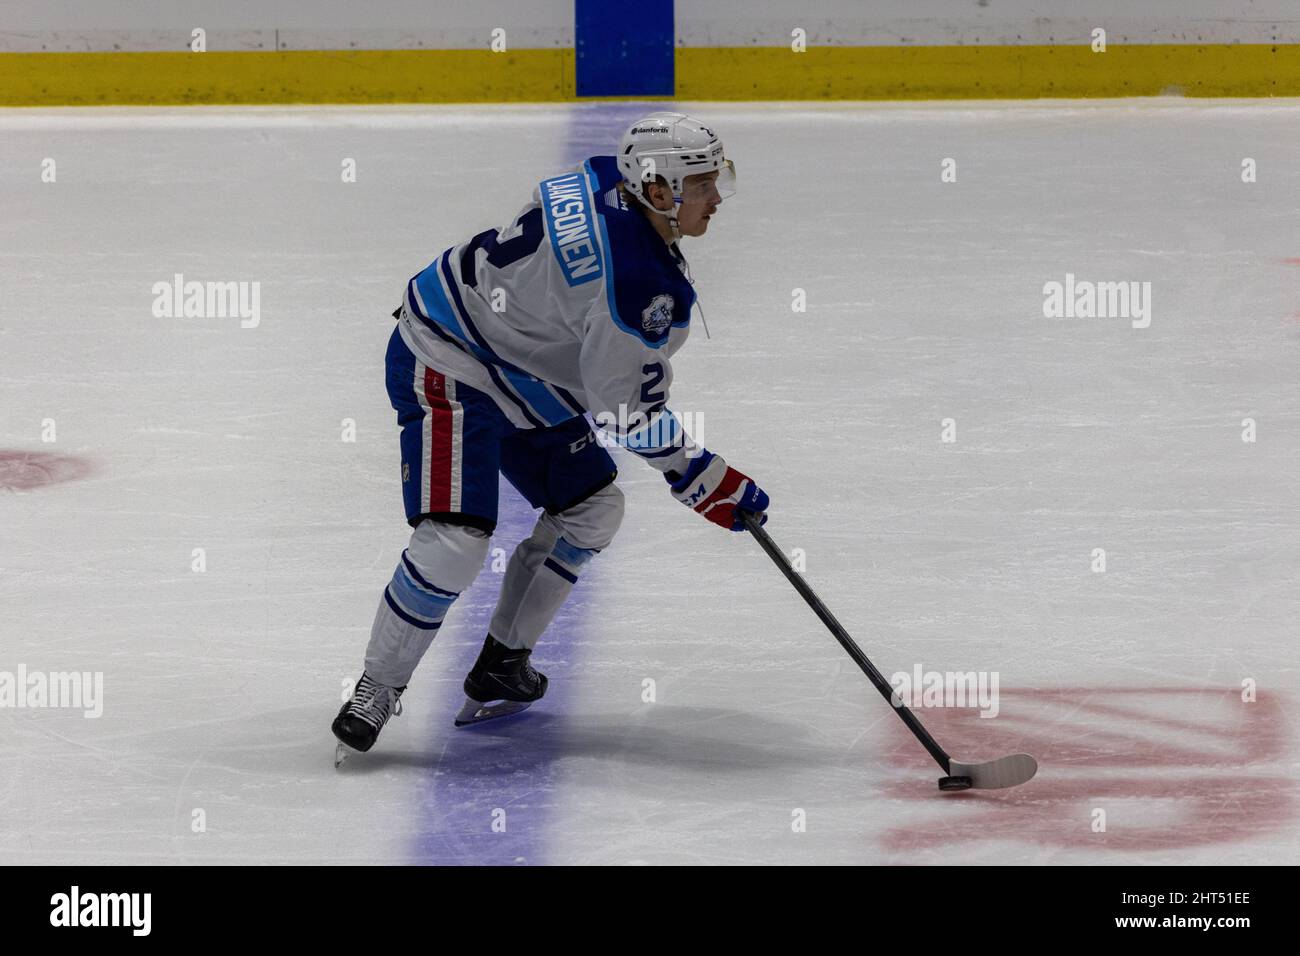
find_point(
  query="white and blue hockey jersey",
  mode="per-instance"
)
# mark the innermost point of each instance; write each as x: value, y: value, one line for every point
x: 576, y: 306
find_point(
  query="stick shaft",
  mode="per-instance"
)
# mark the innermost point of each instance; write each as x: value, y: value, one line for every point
x: 837, y: 630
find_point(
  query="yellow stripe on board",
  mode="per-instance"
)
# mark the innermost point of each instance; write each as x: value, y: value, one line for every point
x: 724, y: 73
x: 988, y: 72
x: 300, y: 76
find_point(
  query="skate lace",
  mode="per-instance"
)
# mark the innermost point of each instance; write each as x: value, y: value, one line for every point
x: 526, y: 670
x: 374, y: 703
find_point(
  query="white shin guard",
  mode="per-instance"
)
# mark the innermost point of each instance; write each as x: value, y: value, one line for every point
x: 441, y: 561
x: 546, y: 565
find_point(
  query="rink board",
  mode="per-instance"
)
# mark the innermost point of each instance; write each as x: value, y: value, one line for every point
x: 714, y: 73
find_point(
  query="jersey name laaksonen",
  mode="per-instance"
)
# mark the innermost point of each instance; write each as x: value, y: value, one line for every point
x: 568, y: 223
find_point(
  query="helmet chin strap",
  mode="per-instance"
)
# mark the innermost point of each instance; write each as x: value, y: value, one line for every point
x: 671, y: 214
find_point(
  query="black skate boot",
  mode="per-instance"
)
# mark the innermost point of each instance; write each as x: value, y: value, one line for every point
x: 361, y: 718
x: 502, y: 682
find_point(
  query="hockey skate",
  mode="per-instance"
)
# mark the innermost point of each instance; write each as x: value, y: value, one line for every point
x: 359, y: 721
x: 502, y: 682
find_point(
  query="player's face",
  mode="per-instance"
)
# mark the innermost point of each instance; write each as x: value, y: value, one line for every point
x: 700, y: 200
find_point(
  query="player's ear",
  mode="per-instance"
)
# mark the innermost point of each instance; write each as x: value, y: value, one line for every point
x: 660, y: 195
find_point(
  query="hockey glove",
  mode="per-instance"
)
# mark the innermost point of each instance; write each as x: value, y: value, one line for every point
x: 714, y: 489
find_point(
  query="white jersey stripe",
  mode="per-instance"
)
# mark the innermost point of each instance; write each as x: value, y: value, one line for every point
x: 426, y: 435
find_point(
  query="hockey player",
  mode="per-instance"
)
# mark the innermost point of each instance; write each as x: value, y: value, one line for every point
x: 502, y: 345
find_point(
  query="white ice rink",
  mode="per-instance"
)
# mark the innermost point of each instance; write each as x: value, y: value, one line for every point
x: 924, y: 303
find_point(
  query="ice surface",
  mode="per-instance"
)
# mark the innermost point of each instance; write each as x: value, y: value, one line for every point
x: 924, y: 302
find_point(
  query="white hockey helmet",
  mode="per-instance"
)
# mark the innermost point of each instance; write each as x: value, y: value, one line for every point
x: 673, y: 146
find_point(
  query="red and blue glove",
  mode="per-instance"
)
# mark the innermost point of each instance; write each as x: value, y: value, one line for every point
x: 717, y: 491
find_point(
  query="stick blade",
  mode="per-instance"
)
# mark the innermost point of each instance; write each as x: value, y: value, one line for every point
x: 1009, y: 771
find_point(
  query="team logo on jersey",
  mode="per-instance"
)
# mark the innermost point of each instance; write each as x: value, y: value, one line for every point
x: 658, y: 315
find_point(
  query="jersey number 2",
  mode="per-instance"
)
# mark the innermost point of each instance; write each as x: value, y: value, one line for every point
x: 649, y: 396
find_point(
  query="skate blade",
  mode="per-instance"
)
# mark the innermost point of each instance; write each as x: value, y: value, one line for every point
x: 341, y: 753
x: 475, y: 712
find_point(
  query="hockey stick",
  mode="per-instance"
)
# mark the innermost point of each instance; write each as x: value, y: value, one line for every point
x: 1009, y: 771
